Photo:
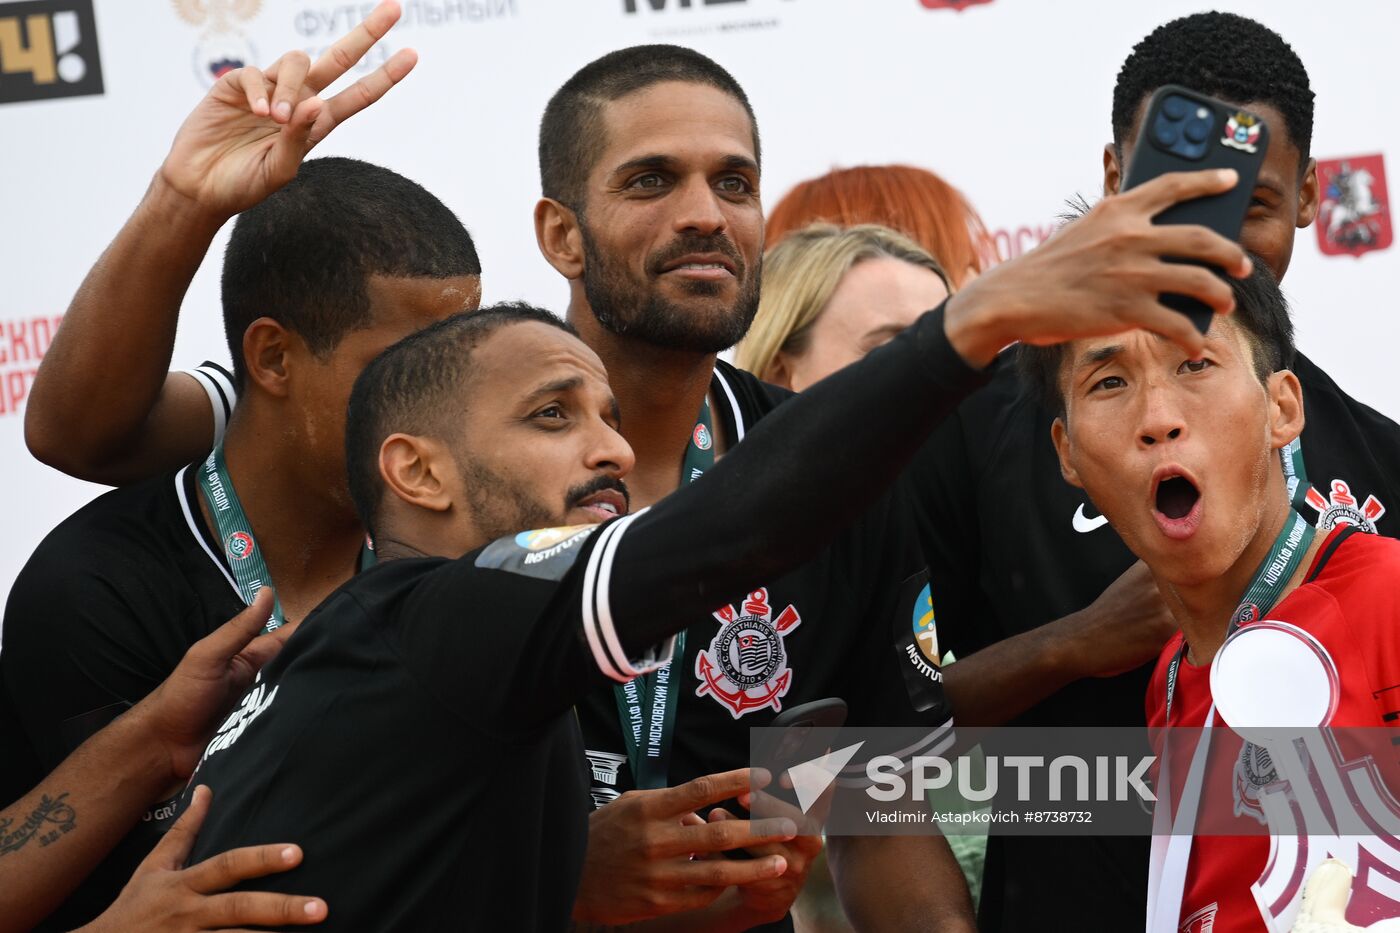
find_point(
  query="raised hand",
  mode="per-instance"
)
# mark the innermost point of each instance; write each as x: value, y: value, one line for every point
x: 1102, y: 274
x: 183, y: 711
x: 250, y: 133
x: 165, y: 897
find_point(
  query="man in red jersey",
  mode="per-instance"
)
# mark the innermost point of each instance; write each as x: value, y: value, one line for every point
x: 1182, y: 454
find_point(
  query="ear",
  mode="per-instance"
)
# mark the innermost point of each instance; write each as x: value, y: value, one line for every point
x: 1112, y: 171
x: 560, y: 237
x: 1286, y: 408
x: 416, y: 470
x: 1060, y: 434
x: 779, y: 371
x: 1309, y: 197
x: 266, y: 347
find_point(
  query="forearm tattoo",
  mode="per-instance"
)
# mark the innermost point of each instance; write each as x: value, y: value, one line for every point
x: 51, y: 819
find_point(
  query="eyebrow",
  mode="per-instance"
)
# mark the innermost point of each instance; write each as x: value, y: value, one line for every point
x: 571, y: 384
x: 553, y: 388
x: 1099, y: 355
x: 670, y: 163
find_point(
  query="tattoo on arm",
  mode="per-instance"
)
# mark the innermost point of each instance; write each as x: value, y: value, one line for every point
x: 51, y: 819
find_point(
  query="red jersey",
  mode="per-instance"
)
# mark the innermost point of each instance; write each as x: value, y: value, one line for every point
x: 1349, y: 603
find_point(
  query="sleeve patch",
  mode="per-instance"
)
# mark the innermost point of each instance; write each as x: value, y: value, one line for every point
x: 545, y: 553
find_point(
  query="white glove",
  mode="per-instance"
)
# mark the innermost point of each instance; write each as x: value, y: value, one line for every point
x: 1325, y: 902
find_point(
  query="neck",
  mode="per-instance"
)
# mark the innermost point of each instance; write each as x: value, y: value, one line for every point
x: 1204, y: 609
x: 310, y: 538
x: 660, y: 392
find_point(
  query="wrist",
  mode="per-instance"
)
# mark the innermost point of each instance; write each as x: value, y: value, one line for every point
x: 177, y: 214
x: 973, y: 327
x: 144, y: 756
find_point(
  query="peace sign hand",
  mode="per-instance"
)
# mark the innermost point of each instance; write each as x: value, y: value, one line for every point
x: 250, y: 133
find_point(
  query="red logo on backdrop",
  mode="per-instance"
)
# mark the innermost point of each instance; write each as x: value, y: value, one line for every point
x: 1355, y: 213
x: 958, y: 5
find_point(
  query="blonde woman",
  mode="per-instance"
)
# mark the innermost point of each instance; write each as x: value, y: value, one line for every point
x: 833, y: 294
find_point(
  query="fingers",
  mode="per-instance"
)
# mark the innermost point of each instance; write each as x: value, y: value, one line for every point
x: 223, y: 871
x: 1163, y: 191
x: 261, y: 908
x: 1202, y: 284
x: 220, y: 646
x: 703, y: 792
x: 723, y: 872
x: 250, y: 81
x: 174, y: 847
x: 1326, y: 891
x: 265, y: 647
x: 721, y: 835
x: 350, y: 48
x: 295, y: 140
x: 291, y: 74
x: 1172, y: 325
x: 366, y: 91
x: 1184, y: 241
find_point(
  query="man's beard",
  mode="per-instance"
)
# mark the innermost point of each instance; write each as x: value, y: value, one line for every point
x: 630, y: 308
x: 501, y: 508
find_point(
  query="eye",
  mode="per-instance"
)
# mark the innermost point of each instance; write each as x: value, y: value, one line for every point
x: 1194, y: 366
x: 734, y: 184
x: 1108, y: 383
x: 550, y: 413
x: 649, y: 182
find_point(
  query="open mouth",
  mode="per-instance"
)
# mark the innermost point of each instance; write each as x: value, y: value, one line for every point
x: 604, y: 504
x: 1176, y: 504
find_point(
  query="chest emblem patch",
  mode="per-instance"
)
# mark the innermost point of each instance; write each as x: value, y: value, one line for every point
x: 745, y: 668
x: 1342, y: 507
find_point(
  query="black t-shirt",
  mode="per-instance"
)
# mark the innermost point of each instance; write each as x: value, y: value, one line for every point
x: 1012, y: 546
x: 416, y: 738
x: 102, y: 612
x: 833, y: 622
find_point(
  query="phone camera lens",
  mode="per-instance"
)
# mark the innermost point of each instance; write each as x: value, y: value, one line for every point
x: 1167, y: 133
x: 1175, y: 107
x: 1197, y: 130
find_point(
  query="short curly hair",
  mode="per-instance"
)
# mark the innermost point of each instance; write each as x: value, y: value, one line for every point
x: 1224, y: 55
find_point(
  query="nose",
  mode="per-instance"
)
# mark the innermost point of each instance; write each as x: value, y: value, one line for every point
x: 1162, y: 418
x: 610, y: 453
x: 698, y: 209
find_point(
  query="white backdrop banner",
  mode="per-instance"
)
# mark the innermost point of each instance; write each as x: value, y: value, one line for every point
x: 1008, y: 99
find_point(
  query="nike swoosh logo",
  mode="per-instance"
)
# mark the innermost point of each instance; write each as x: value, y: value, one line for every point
x: 1084, y: 524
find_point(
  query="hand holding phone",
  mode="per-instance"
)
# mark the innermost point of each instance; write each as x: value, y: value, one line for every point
x: 1186, y: 131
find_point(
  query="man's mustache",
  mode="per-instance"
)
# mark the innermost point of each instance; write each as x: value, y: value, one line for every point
x: 687, y: 244
x: 597, y: 484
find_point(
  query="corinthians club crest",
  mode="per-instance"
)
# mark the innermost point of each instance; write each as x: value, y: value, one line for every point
x: 745, y: 668
x: 1341, y: 507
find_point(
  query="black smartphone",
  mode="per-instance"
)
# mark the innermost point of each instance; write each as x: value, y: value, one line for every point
x: 1185, y: 132
x: 797, y: 734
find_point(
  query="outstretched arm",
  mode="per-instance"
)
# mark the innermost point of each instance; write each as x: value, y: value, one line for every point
x: 821, y: 459
x: 243, y: 141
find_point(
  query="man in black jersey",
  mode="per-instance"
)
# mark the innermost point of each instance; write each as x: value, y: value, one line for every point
x: 419, y: 733
x: 330, y: 261
x: 1011, y: 546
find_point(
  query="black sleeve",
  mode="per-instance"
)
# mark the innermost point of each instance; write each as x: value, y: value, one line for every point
x: 942, y: 490
x: 79, y: 643
x: 499, y: 636
x: 893, y: 680
x: 808, y: 470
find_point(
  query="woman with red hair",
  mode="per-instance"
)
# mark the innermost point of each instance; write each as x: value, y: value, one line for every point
x: 914, y: 201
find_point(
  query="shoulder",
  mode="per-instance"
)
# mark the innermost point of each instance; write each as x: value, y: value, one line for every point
x: 753, y: 397
x: 130, y: 527
x: 1324, y: 397
x: 1362, y: 572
